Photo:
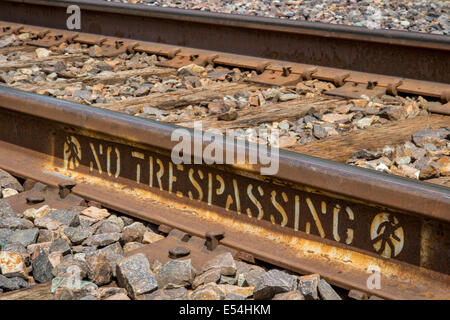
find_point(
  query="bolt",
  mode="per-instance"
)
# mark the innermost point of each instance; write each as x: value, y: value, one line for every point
x: 35, y: 198
x: 65, y: 188
x: 213, y: 238
x: 371, y: 84
x: 286, y: 71
x: 178, y: 252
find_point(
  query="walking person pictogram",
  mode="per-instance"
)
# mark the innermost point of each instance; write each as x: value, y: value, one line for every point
x: 72, y: 153
x: 387, y: 235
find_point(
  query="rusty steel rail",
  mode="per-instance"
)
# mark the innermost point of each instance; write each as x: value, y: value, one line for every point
x: 312, y: 216
x: 351, y: 84
x: 388, y: 52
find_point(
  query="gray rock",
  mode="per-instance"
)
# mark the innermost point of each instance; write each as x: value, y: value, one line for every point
x: 242, y: 267
x: 393, y: 113
x: 100, y: 271
x: 47, y: 236
x: 15, y: 247
x: 105, y: 226
x: 47, y: 223
x: 83, y: 94
x: 319, y: 132
x: 60, y: 245
x: 366, y: 154
x: 77, y: 235
x: 326, y: 291
x: 5, y: 233
x: 228, y: 279
x: 71, y: 267
x: 428, y: 168
x: 142, y: 91
x: 234, y: 296
x: 18, y: 281
x: 8, y: 181
x: 176, y: 274
x: 133, y: 232
x: 288, y: 96
x: 76, y: 289
x: 210, y: 291
x: 86, y: 222
x: 402, y: 160
x: 134, y: 274
x: 291, y: 295
x: 436, y: 137
x: 24, y: 237
x: 132, y: 246
x: 114, y: 253
x: 127, y: 220
x: 131, y: 235
x: 15, y: 223
x: 224, y: 262
x: 7, y: 284
x: 136, y: 225
x: 103, y: 239
x: 272, y: 282
x: 410, y: 149
x: 357, y: 295
x: 169, y: 294
x: 308, y: 286
x: 6, y: 210
x: 42, y: 268
x: 116, y: 220
x: 214, y: 75
x: 69, y: 218
x: 212, y: 275
x: 252, y: 276
x: 88, y: 297
x: 228, y: 116
x: 105, y: 292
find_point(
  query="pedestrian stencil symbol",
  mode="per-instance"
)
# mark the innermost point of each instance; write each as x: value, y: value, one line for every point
x: 72, y: 153
x: 387, y: 235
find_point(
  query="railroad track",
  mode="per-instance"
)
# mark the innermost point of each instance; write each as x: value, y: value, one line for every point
x: 92, y: 122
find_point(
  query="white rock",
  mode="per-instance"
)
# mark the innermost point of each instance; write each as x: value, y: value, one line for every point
x: 364, y: 122
x: 95, y: 213
x: 403, y: 160
x: 8, y: 192
x: 192, y: 68
x: 383, y: 168
x: 12, y: 265
x: 151, y: 237
x: 42, y: 52
x: 33, y: 213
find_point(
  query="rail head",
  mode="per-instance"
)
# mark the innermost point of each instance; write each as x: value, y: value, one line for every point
x: 370, y: 187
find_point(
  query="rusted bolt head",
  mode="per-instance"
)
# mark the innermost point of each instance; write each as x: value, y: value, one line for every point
x: 262, y: 66
x: 65, y: 188
x: 35, y: 198
x: 67, y: 184
x: 372, y: 84
x: 219, y: 235
x: 286, y: 71
x: 178, y: 252
x: 445, y: 96
x: 213, y: 238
